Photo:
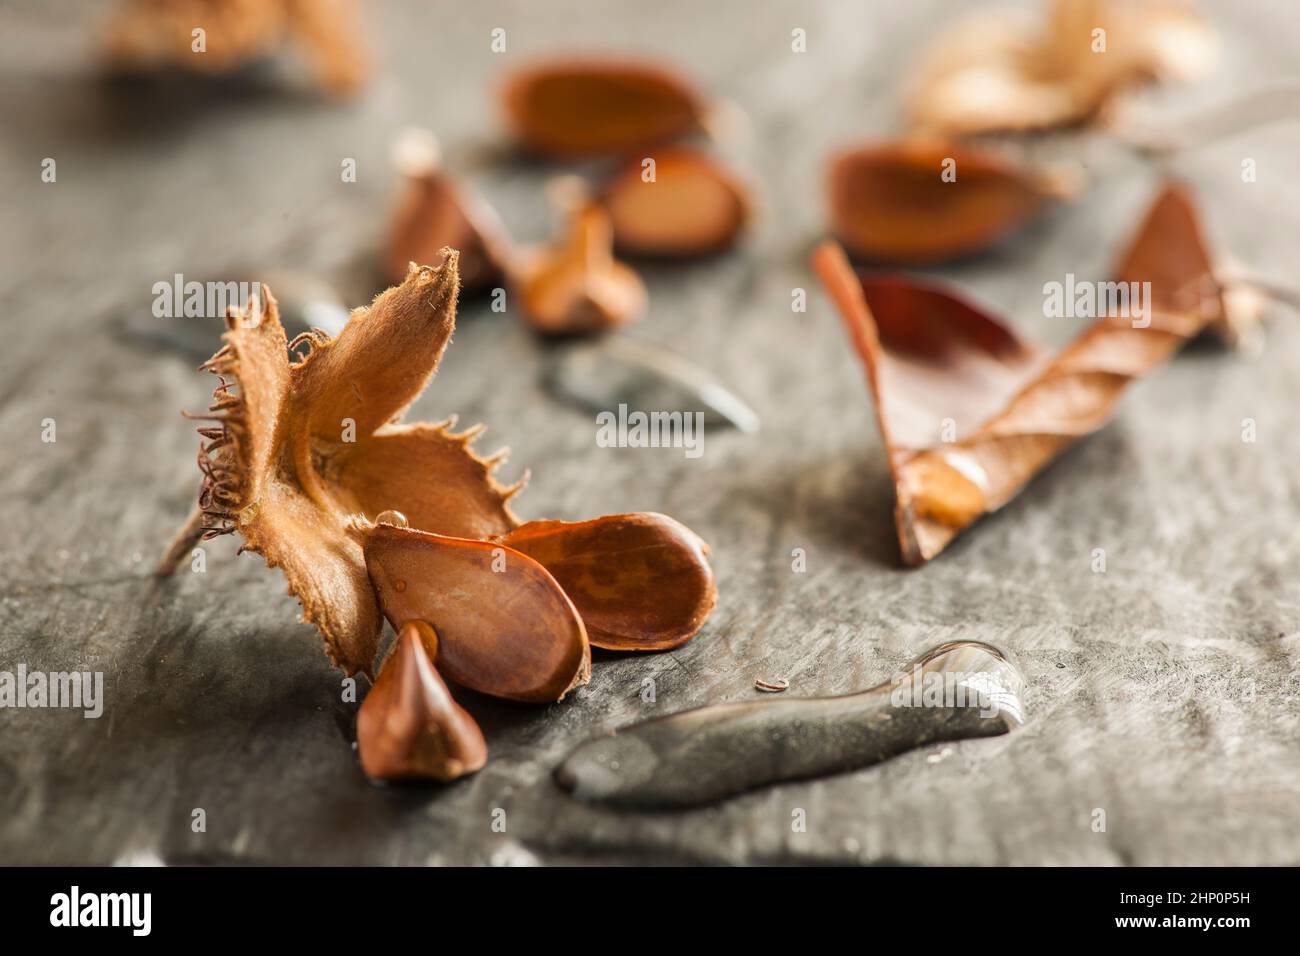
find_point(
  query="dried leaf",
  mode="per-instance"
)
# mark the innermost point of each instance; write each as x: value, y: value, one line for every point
x: 434, y: 211
x: 409, y: 727
x: 575, y: 109
x: 1186, y: 273
x: 693, y: 207
x: 577, y: 286
x: 152, y: 34
x: 505, y: 626
x: 1000, y: 70
x: 891, y: 202
x: 930, y: 356
x: 640, y: 581
x: 297, y: 448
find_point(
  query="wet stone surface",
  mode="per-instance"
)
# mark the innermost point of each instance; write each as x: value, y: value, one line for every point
x: 1163, y: 691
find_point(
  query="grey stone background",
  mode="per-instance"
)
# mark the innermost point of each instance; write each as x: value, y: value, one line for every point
x: 1163, y: 691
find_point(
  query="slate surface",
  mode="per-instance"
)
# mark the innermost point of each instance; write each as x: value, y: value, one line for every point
x: 1163, y: 691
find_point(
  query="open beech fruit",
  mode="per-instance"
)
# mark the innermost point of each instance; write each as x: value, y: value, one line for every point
x: 578, y: 109
x: 936, y: 360
x: 367, y: 517
x: 146, y: 35
x: 891, y: 201
x: 999, y: 70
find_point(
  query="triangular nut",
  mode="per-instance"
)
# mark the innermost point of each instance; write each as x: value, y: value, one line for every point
x: 409, y: 727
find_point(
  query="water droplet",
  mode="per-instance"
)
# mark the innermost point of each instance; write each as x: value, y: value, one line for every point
x: 399, y: 586
x: 395, y: 518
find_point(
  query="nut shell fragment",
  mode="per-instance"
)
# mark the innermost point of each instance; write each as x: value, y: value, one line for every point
x: 434, y: 211
x: 577, y: 286
x: 693, y: 207
x: 640, y: 581
x: 505, y: 627
x: 576, y: 109
x: 890, y: 201
x: 409, y: 727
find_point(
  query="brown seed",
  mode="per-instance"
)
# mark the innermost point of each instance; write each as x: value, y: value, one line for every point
x: 693, y: 207
x: 890, y: 201
x: 573, y: 109
x: 577, y: 286
x: 434, y: 211
x: 409, y: 727
x: 640, y: 581
x: 504, y: 625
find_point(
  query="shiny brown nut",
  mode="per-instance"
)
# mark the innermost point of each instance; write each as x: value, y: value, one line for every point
x: 640, y: 581
x: 434, y: 211
x: 577, y: 286
x: 692, y: 207
x: 891, y: 202
x: 578, y: 108
x: 409, y: 727
x: 505, y: 627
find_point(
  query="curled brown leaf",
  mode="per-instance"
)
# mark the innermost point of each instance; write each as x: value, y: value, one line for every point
x: 934, y: 361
